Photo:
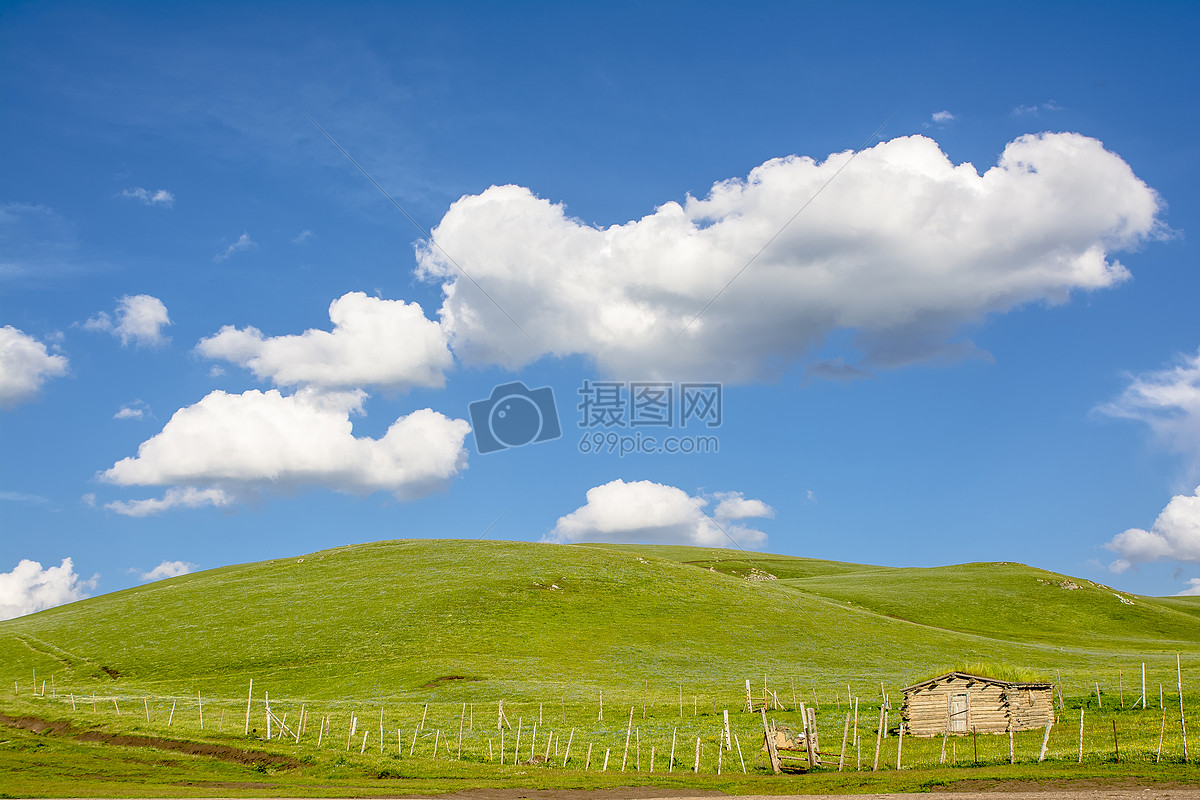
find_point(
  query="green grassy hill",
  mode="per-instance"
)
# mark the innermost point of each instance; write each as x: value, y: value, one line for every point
x: 449, y: 620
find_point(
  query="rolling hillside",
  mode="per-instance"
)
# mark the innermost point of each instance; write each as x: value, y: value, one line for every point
x: 463, y: 619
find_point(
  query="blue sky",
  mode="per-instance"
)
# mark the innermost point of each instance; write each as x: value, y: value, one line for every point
x: 948, y: 252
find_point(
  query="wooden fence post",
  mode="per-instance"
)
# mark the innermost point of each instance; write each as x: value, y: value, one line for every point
x: 1162, y: 729
x: 808, y: 736
x: 878, y: 740
x: 1182, y: 723
x: 1045, y: 742
x: 856, y: 722
x: 249, y: 699
x: 739, y: 749
x: 772, y: 753
x: 1080, y: 735
x: 461, y: 720
x: 845, y: 738
x: 628, y: 734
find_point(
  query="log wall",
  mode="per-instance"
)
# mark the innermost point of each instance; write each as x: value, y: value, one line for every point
x: 990, y: 707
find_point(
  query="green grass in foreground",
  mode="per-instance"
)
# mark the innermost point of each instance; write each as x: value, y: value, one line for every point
x: 54, y: 764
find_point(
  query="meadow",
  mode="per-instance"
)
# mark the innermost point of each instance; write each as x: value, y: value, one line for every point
x: 421, y: 640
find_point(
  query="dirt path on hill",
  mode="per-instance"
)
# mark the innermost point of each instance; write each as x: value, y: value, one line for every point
x: 218, y: 751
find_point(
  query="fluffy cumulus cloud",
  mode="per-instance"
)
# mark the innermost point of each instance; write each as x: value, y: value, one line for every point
x: 150, y: 197
x: 1168, y: 400
x: 902, y: 249
x: 648, y: 512
x: 230, y: 445
x: 1175, y: 535
x: 29, y: 587
x: 734, y: 506
x: 1193, y: 589
x: 168, y: 569
x: 374, y: 342
x: 138, y: 319
x: 25, y: 364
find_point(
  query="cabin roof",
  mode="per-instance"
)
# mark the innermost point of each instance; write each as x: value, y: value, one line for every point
x: 975, y: 679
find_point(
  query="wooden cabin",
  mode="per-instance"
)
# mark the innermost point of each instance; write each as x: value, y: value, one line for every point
x: 958, y: 703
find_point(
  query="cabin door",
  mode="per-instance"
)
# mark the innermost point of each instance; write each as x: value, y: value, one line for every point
x: 959, y: 713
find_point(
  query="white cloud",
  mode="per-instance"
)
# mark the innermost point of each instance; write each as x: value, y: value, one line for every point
x: 374, y: 342
x: 148, y: 197
x: 1036, y: 108
x: 89, y: 499
x: 902, y: 249
x: 243, y: 242
x: 135, y: 410
x: 168, y: 569
x: 29, y: 588
x: 229, y: 445
x: 139, y: 318
x: 304, y: 236
x: 942, y: 117
x: 1167, y: 400
x: 175, y: 497
x: 21, y: 497
x: 647, y: 512
x: 1193, y: 589
x: 1175, y: 535
x: 25, y: 364
x: 734, y: 505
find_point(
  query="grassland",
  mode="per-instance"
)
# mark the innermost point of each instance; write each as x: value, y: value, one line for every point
x: 440, y: 631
